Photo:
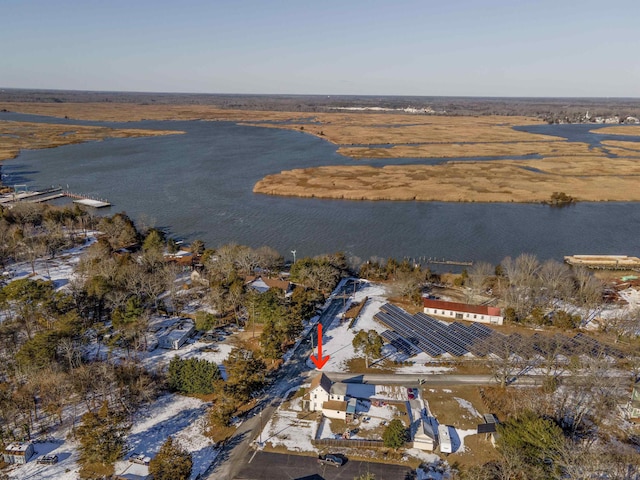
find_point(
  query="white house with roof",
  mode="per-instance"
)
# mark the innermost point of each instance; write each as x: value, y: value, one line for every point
x: 18, y: 452
x: 327, y: 397
x: 463, y: 311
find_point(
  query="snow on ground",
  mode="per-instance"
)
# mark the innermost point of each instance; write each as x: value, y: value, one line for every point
x: 286, y: 429
x: 161, y: 357
x: 420, y: 365
x: 296, y: 404
x: 458, y: 446
x: 338, y: 337
x: 59, y: 269
x: 467, y: 406
x: 65, y: 469
x: 391, y: 392
x: 177, y: 416
x: 324, y: 430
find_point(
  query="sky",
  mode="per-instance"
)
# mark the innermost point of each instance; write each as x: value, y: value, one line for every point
x: 532, y: 48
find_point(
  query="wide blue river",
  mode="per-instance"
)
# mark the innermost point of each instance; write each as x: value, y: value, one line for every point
x: 199, y: 185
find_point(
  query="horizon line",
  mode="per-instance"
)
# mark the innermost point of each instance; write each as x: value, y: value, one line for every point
x: 327, y: 95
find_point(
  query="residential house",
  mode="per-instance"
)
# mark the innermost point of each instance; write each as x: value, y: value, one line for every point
x: 463, y: 311
x: 318, y: 393
x: 18, y: 452
x: 262, y: 284
x: 329, y: 398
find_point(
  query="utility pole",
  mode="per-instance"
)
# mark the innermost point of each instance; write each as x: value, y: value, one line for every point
x: 294, y: 255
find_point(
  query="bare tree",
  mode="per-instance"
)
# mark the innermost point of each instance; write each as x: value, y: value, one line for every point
x: 478, y: 275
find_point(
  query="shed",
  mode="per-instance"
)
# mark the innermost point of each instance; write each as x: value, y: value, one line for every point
x: 18, y: 452
x: 489, y: 427
x: 178, y: 335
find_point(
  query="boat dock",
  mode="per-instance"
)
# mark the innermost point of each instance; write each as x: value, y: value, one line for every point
x: 442, y: 261
x: 87, y: 200
x: 52, y: 193
x: 604, y: 262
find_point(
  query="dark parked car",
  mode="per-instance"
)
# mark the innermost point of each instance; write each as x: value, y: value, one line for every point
x: 330, y: 460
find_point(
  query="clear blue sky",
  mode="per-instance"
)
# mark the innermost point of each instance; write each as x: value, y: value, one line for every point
x: 401, y: 47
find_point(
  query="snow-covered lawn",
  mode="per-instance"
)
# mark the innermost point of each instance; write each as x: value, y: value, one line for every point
x: 286, y: 429
x: 59, y: 269
x: 183, y: 418
x: 338, y: 337
x: 170, y: 415
x: 65, y: 469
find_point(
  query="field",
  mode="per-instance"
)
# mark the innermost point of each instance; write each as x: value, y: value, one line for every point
x: 575, y: 168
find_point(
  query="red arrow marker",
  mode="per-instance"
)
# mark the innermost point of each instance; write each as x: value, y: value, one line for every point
x: 319, y: 361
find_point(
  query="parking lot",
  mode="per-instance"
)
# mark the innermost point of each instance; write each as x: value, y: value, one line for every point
x: 269, y: 466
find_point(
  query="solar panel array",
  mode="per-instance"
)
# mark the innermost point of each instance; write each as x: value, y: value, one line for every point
x: 412, y: 334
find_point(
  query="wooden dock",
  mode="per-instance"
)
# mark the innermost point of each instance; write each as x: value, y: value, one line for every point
x: 443, y: 261
x: 87, y: 200
x: 52, y: 193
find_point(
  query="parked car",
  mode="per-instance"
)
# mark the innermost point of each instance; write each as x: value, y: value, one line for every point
x: 330, y: 460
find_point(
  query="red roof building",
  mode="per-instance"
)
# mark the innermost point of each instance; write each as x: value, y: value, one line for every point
x: 463, y: 311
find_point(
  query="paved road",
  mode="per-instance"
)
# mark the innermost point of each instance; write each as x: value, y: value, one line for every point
x: 292, y: 374
x: 270, y: 466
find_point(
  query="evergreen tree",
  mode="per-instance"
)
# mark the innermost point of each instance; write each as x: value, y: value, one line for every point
x: 192, y: 375
x: 102, y: 442
x: 395, y: 435
x: 245, y: 374
x: 171, y: 462
x: 535, y: 440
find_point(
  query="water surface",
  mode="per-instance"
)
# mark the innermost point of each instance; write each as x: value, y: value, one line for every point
x: 199, y: 185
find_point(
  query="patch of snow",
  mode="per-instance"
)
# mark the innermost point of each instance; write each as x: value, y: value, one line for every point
x: 285, y: 428
x: 458, y: 446
x: 467, y: 406
x: 66, y: 468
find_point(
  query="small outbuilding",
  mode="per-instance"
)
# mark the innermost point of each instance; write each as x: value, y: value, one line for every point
x: 177, y: 335
x: 18, y: 452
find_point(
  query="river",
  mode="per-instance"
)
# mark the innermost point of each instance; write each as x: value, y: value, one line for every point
x: 199, y: 185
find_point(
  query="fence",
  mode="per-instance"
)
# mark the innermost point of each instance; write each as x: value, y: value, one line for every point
x: 330, y: 442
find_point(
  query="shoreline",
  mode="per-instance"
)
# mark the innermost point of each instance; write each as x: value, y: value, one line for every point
x: 17, y: 136
x: 577, y: 169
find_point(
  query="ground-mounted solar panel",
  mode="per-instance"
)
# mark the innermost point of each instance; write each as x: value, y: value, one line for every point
x: 400, y: 344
